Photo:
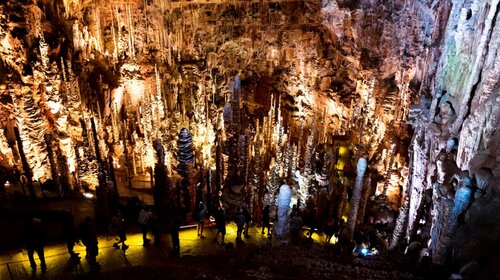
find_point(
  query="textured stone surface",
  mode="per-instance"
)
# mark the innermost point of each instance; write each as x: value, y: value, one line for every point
x: 282, y: 77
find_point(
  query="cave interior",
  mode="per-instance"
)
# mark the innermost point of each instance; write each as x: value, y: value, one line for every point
x: 372, y: 112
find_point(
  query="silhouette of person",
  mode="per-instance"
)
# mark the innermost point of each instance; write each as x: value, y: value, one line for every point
x: 144, y: 219
x: 220, y: 221
x: 118, y: 226
x: 176, y: 224
x: 248, y: 221
x: 71, y: 237
x: 265, y: 220
x: 240, y: 223
x: 88, y: 237
x: 201, y: 210
x: 35, y: 238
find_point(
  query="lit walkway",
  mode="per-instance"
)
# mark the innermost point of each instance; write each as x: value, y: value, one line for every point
x: 59, y: 266
x: 15, y: 265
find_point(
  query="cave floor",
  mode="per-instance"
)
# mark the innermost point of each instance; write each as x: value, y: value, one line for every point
x: 206, y: 259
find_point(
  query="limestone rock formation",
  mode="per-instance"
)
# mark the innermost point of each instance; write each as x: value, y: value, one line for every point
x: 264, y: 88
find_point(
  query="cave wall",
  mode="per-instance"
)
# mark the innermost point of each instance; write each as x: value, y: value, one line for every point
x: 455, y: 145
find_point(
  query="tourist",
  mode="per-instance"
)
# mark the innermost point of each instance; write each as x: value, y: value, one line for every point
x: 311, y: 221
x: 330, y: 229
x: 143, y: 219
x: 265, y: 220
x: 88, y: 237
x: 220, y: 221
x: 35, y: 236
x: 117, y: 226
x: 295, y: 227
x: 240, y: 223
x: 201, y: 211
x: 71, y: 237
x: 248, y: 221
x: 176, y: 225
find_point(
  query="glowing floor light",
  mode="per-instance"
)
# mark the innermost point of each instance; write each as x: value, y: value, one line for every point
x: 88, y: 195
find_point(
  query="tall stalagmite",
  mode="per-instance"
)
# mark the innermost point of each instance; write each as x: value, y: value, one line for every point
x: 356, y: 197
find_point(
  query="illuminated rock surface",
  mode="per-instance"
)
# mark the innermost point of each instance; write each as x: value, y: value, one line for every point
x: 267, y: 90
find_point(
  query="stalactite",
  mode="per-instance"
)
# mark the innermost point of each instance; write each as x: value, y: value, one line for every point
x: 159, y: 96
x: 219, y: 166
x: 389, y: 168
x: 53, y: 163
x: 279, y: 154
x: 62, y: 164
x: 272, y: 182
x: 356, y: 196
x: 308, y: 169
x: 243, y: 157
x: 26, y: 167
x: 294, y: 161
x: 257, y: 194
x: 102, y: 192
x: 6, y: 153
x: 231, y: 145
x: 32, y: 130
x: 287, y: 165
x: 130, y: 33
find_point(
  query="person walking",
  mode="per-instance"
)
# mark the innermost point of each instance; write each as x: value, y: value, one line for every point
x: 265, y: 220
x: 35, y: 238
x: 71, y: 237
x: 117, y: 226
x: 143, y: 219
x: 295, y: 227
x: 201, y: 211
x: 311, y: 221
x: 248, y: 221
x: 175, y: 228
x: 88, y: 237
x: 330, y: 229
x: 220, y: 221
x: 240, y: 223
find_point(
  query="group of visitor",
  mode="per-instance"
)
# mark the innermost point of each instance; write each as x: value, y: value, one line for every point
x: 86, y: 232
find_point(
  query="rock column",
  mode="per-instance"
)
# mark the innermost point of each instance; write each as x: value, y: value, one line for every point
x: 356, y: 196
x: 282, y: 226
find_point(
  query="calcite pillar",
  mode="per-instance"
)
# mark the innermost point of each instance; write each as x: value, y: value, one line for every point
x: 449, y: 217
x: 356, y: 197
x: 283, y: 202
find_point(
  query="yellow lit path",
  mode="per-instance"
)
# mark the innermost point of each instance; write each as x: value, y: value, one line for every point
x: 15, y: 265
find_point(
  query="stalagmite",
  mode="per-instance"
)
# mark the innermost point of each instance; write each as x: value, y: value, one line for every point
x: 356, y: 196
x: 185, y: 158
x: 444, y: 240
x: 283, y: 203
x: 389, y: 168
x: 402, y: 220
x: 364, y: 199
